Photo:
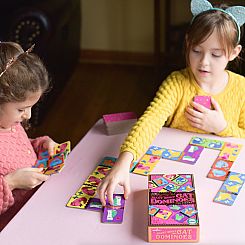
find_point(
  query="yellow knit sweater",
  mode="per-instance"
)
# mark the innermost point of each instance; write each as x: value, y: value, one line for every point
x: 170, y: 102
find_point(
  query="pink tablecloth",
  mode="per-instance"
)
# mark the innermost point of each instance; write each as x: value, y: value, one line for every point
x: 46, y: 220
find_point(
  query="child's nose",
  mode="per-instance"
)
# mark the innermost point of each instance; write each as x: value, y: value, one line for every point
x: 27, y: 113
x: 204, y: 59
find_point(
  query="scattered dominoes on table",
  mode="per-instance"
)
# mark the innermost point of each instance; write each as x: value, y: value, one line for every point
x: 89, y: 187
x: 153, y: 155
x: 55, y: 163
x: 190, y: 155
x: 223, y: 163
x: 230, y: 188
x: 119, y: 123
x: 84, y: 198
x: 220, y: 169
x: 146, y: 164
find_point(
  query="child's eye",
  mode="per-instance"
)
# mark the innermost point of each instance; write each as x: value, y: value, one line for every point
x: 21, y: 110
x: 216, y: 55
x: 196, y: 51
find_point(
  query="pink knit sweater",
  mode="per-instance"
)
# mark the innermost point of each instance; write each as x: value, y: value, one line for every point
x: 16, y: 151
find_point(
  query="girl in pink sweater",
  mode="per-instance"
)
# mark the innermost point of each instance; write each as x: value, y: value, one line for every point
x: 23, y: 80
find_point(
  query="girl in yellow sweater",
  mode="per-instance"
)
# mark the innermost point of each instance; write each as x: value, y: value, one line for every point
x: 211, y: 42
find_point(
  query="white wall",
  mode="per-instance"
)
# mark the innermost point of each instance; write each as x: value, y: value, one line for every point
x: 125, y: 25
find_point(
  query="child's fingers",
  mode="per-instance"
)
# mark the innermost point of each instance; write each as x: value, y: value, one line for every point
x: 51, y: 147
x: 42, y: 177
x: 110, y: 190
x: 38, y: 170
x: 36, y: 177
x: 39, y: 174
x: 199, y: 107
x: 51, y: 150
x: 101, y: 192
x: 193, y: 119
x: 215, y: 104
x: 193, y: 113
x: 126, y: 188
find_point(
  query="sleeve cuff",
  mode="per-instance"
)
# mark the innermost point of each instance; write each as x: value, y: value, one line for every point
x: 225, y: 133
x: 131, y: 151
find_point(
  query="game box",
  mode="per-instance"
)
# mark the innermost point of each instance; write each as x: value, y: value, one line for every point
x: 172, y: 208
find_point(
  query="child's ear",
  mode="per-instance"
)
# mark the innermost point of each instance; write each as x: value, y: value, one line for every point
x: 235, y: 52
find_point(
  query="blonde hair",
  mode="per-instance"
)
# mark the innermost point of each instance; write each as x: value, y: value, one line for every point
x: 26, y: 75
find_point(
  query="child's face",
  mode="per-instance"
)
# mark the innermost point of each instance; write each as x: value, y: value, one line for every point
x: 208, y: 60
x: 12, y: 113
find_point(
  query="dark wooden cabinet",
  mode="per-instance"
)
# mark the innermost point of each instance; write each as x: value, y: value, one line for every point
x: 54, y: 27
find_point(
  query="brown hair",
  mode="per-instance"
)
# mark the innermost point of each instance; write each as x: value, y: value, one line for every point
x: 27, y: 74
x: 203, y: 26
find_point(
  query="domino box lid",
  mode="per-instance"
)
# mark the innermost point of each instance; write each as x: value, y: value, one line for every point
x: 116, y: 117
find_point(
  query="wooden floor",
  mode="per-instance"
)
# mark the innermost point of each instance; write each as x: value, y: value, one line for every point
x: 94, y: 90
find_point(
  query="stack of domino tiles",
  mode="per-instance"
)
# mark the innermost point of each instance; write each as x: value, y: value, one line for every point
x: 119, y: 123
x: 55, y: 163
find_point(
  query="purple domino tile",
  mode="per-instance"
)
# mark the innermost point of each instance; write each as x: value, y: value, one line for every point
x: 112, y: 215
x: 94, y: 204
x: 194, y: 150
x: 191, y: 154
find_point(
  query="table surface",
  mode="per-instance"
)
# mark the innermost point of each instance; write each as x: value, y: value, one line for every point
x: 46, y: 220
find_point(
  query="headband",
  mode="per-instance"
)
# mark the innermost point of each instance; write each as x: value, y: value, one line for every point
x: 237, y: 13
x: 13, y: 59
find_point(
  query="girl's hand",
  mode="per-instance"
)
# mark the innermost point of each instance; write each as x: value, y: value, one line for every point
x: 25, y: 178
x: 119, y: 174
x: 211, y: 121
x: 49, y: 145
